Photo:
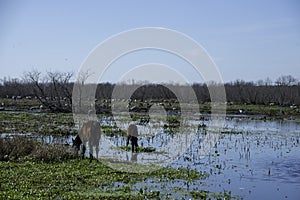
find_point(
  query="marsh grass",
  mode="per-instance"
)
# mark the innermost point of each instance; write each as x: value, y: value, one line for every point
x: 41, y: 123
x: 52, y: 152
x: 22, y: 148
x: 271, y: 111
x: 14, y: 148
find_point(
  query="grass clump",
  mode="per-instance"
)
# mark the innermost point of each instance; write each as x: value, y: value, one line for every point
x: 52, y: 153
x: 139, y: 149
x: 231, y: 132
x: 14, y: 148
x: 22, y: 148
x: 204, y: 194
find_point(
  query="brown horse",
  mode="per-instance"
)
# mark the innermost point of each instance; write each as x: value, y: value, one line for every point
x: 89, y: 133
x: 132, y: 134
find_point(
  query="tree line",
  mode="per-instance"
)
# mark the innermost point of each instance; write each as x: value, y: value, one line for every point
x: 54, y: 90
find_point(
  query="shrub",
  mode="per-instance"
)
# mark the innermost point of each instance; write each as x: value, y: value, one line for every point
x: 52, y: 152
x: 22, y: 147
x: 14, y: 148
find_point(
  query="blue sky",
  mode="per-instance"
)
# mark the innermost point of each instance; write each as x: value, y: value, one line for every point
x: 248, y: 40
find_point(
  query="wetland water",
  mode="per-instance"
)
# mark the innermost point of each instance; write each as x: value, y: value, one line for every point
x: 260, y: 161
x: 253, y: 159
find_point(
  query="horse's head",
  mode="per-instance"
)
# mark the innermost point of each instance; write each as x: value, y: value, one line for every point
x: 76, y: 143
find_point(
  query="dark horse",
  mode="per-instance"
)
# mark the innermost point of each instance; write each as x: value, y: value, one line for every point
x: 132, y: 133
x: 89, y: 133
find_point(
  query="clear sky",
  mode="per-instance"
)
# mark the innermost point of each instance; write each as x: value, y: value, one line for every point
x: 248, y: 40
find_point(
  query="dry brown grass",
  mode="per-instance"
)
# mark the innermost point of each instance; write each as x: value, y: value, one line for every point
x: 13, y: 148
x: 19, y: 148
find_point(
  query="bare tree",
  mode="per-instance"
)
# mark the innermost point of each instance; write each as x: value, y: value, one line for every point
x: 61, y: 90
x: 286, y: 81
x: 79, y: 90
x: 52, y: 90
x: 38, y: 85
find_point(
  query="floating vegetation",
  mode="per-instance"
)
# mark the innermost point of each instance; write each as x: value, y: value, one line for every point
x: 204, y: 194
x: 80, y: 179
x: 139, y: 149
x: 231, y: 132
x: 112, y: 131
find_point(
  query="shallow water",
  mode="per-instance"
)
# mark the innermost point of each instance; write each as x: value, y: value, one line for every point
x: 253, y: 159
x: 263, y: 162
x: 259, y: 160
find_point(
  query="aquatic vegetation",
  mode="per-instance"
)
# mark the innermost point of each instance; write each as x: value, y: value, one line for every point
x: 41, y: 123
x: 200, y: 194
x: 112, y: 130
x: 139, y: 149
x: 78, y: 179
x: 204, y: 194
x: 231, y: 132
x: 51, y: 171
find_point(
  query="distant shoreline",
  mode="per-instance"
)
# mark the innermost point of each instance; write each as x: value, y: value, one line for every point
x: 267, y: 111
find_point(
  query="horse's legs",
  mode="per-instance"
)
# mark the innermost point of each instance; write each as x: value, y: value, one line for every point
x: 128, y: 138
x: 91, y: 149
x: 134, y: 143
x: 97, y: 150
x: 83, y: 150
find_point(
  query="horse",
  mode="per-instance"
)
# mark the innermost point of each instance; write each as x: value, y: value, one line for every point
x: 132, y: 133
x: 89, y: 133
